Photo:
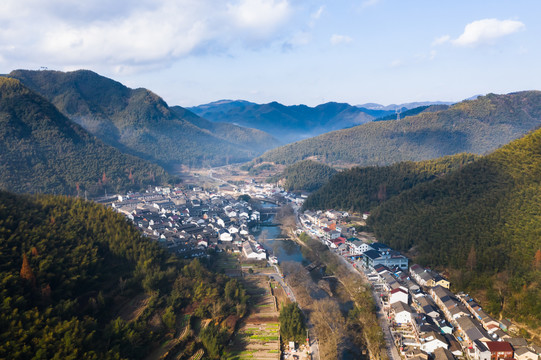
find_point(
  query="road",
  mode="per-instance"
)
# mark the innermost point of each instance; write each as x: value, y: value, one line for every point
x: 392, y: 352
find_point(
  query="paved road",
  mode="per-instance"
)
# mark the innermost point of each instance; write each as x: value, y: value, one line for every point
x: 392, y: 352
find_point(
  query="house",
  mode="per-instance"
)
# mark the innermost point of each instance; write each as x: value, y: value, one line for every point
x: 443, y: 354
x: 523, y: 353
x: 500, y: 350
x: 399, y: 294
x: 472, y: 330
x: 249, y: 252
x: 479, y: 351
x: 428, y: 305
x: 357, y: 247
x: 454, y: 345
x: 402, y: 312
x: 224, y: 235
x: 389, y: 258
x: 431, y: 341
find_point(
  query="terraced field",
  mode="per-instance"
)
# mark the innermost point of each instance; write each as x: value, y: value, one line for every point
x: 258, y: 337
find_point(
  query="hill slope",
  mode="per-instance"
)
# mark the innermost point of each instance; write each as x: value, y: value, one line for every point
x: 43, y: 151
x: 483, y: 221
x: 136, y: 121
x: 305, y: 175
x: 290, y: 123
x: 362, y: 189
x: 474, y: 126
x: 79, y: 282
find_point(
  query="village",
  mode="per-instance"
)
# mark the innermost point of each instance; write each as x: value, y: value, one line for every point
x: 420, y: 315
x: 421, y: 318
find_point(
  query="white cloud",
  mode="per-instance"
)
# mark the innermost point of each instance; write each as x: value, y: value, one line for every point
x: 340, y: 39
x: 316, y: 15
x: 441, y: 40
x: 131, y: 34
x: 487, y: 31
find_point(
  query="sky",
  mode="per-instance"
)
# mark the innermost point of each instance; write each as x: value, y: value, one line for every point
x: 192, y: 52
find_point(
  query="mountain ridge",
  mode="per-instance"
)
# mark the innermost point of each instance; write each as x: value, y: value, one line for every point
x: 290, y: 123
x: 475, y: 126
x: 135, y: 120
x: 43, y: 151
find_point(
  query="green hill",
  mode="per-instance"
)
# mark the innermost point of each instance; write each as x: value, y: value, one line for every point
x: 79, y: 282
x: 136, y: 121
x: 473, y: 126
x: 361, y: 189
x: 483, y: 223
x: 43, y: 151
x: 305, y: 175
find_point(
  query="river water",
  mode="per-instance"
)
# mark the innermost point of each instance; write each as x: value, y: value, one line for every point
x: 269, y: 235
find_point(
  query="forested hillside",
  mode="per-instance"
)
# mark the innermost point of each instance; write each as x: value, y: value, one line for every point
x: 483, y: 223
x: 414, y: 111
x: 79, y: 282
x: 136, y: 121
x: 288, y: 123
x: 305, y: 175
x: 473, y: 126
x: 43, y: 151
x: 361, y: 189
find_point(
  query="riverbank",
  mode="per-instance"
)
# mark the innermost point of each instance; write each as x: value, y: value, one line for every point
x: 330, y: 308
x: 356, y: 287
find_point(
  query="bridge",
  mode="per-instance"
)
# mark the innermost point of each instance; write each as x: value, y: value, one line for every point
x: 313, y: 266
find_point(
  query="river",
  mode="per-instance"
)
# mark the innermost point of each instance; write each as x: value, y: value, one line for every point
x: 269, y: 235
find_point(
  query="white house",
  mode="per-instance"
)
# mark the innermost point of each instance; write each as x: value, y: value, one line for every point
x: 225, y: 235
x: 250, y: 253
x: 402, y: 312
x: 431, y: 341
x: 399, y: 294
x: 358, y: 247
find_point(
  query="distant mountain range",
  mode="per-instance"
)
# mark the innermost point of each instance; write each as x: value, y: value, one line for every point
x: 43, y: 151
x: 140, y: 123
x: 474, y: 126
x: 288, y: 123
x: 403, y: 107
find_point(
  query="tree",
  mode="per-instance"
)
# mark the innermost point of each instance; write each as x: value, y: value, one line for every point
x: 26, y: 271
x: 292, y: 325
x: 472, y: 258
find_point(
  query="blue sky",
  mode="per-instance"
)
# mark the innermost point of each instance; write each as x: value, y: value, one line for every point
x: 192, y: 52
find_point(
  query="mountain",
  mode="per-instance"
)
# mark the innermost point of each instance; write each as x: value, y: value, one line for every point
x: 405, y: 106
x: 43, y: 151
x: 79, y: 282
x: 361, y: 189
x: 288, y: 123
x: 473, y: 126
x: 305, y: 175
x: 482, y: 223
x: 137, y: 121
x: 250, y: 138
